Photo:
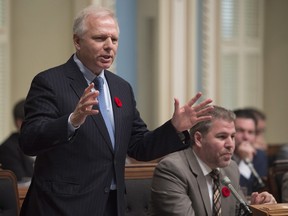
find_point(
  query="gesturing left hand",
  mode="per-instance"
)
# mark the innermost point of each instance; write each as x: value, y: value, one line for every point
x: 187, y: 116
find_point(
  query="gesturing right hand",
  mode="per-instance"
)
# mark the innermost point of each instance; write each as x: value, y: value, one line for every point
x: 85, y: 106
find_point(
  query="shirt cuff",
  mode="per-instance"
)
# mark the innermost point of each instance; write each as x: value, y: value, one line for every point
x: 71, y: 128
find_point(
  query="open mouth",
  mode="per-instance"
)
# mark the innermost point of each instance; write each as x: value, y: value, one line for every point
x: 106, y: 58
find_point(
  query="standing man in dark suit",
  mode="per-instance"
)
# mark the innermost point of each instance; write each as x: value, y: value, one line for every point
x: 11, y: 156
x: 79, y: 168
x: 182, y: 184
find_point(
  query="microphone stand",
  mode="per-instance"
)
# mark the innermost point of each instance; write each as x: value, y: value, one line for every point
x: 246, y: 210
x: 260, y: 183
x: 243, y: 207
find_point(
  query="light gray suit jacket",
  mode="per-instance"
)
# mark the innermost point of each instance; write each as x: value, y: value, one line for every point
x: 179, y: 187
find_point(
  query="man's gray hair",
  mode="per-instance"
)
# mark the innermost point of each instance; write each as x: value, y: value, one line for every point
x: 80, y: 27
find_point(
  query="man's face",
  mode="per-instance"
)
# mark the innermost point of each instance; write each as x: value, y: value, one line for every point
x: 97, y: 47
x: 245, y: 130
x: 217, y: 146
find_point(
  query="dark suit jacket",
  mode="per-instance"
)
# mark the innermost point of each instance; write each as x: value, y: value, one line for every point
x: 12, y: 158
x: 260, y: 163
x: 73, y: 176
x: 179, y: 187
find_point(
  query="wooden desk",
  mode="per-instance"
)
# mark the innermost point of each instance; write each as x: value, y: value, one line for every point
x: 279, y: 209
x: 22, y: 193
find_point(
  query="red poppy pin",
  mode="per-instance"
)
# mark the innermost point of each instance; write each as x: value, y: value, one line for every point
x: 225, y: 192
x: 118, y: 102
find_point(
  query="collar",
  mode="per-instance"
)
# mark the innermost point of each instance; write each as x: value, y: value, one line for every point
x: 204, y: 167
x: 89, y: 76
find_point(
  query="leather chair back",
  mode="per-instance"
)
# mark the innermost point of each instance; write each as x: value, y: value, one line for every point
x: 275, y: 175
x: 138, y: 179
x: 9, y: 197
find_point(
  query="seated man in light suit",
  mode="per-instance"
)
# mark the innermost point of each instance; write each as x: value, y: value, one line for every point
x: 181, y: 183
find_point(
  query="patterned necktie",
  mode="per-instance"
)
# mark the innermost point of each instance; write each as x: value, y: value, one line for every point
x: 216, y: 193
x: 98, y: 82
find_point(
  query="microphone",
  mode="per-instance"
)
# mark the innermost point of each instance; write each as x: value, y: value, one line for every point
x: 227, y: 182
x: 255, y: 173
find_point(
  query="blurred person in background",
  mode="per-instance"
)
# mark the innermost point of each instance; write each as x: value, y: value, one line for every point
x: 252, y: 162
x: 260, y: 141
x: 11, y: 156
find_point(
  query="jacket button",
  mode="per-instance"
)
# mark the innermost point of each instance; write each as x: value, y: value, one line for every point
x: 106, y: 190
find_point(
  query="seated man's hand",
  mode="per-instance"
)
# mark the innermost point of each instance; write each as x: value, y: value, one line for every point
x: 262, y: 198
x: 245, y: 151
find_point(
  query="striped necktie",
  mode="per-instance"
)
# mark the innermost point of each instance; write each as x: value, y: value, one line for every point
x: 216, y: 210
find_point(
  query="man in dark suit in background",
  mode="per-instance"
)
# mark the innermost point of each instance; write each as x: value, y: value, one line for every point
x: 182, y: 184
x: 11, y: 156
x: 246, y: 126
x: 79, y: 168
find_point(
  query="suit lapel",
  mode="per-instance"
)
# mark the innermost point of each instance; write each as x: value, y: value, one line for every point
x: 78, y: 84
x: 76, y: 78
x: 227, y: 202
x: 200, y: 178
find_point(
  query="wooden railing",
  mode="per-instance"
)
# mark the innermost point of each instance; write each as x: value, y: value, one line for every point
x: 139, y: 171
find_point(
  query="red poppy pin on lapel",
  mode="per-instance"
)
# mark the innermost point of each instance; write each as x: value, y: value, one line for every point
x: 118, y: 102
x: 225, y: 192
